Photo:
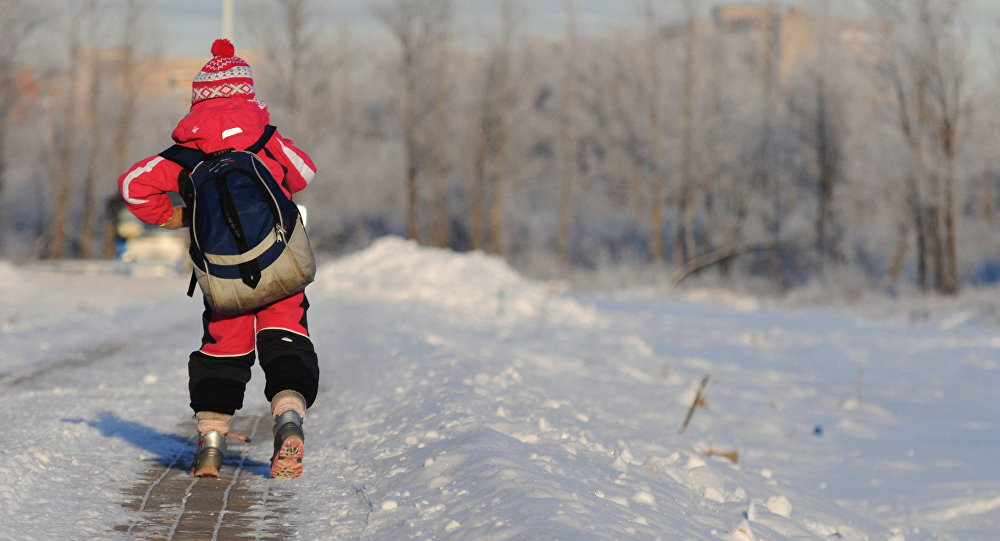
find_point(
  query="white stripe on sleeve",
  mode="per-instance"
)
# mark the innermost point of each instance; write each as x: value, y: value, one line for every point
x: 298, y: 162
x: 132, y: 176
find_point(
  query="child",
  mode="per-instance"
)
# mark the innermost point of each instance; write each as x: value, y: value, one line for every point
x: 225, y: 113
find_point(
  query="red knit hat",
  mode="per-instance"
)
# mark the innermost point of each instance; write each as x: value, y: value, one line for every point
x: 224, y: 76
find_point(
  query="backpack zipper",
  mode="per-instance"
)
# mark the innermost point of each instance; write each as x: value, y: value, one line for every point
x: 281, y: 219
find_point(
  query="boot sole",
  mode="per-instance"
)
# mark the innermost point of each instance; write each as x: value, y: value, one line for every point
x: 205, y: 471
x: 287, y: 462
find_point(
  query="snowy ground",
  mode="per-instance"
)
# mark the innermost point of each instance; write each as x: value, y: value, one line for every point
x: 462, y: 401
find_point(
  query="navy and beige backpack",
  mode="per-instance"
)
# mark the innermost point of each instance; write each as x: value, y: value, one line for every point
x: 248, y: 244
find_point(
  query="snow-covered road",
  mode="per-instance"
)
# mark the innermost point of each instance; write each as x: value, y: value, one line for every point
x: 460, y: 400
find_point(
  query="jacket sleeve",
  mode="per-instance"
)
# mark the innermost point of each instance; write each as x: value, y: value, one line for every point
x: 145, y: 186
x: 298, y: 166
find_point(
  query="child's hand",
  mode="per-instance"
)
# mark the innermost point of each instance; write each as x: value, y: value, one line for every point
x: 176, y: 220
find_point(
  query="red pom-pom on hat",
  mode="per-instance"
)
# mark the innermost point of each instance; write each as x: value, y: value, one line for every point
x: 223, y: 47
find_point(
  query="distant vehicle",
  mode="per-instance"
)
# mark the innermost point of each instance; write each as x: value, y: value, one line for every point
x: 139, y: 242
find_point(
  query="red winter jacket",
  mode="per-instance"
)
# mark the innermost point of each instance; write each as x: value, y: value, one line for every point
x: 212, y: 125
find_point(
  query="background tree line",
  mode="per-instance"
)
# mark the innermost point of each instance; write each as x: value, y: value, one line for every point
x: 785, y: 141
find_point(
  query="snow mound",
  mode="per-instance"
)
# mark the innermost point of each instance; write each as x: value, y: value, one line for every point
x: 471, y: 285
x: 10, y: 275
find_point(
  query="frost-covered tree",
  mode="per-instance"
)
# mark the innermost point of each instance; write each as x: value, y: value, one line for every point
x: 18, y: 20
x: 420, y: 28
x: 925, y: 71
x: 815, y: 99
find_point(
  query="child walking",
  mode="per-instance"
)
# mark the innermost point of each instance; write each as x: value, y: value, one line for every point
x: 226, y: 114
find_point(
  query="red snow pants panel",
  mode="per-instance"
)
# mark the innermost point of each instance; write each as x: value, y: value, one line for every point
x: 229, y: 335
x: 278, y: 334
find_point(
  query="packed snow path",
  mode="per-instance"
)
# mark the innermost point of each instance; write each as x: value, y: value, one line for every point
x: 462, y: 401
x: 170, y: 504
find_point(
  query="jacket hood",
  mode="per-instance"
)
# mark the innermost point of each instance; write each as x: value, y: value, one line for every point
x: 221, y: 123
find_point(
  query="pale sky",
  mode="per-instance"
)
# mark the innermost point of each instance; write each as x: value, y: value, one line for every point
x: 188, y: 27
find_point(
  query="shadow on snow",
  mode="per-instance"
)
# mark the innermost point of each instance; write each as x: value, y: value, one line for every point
x: 172, y: 451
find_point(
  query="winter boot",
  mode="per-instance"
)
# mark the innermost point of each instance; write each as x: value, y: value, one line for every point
x: 288, y: 408
x: 212, y: 431
x: 209, y: 455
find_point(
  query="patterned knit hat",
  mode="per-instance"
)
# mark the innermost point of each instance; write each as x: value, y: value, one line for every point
x: 224, y: 76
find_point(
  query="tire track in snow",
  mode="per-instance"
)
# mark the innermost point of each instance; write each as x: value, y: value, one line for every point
x: 84, y: 357
x: 79, y: 359
x: 171, y: 505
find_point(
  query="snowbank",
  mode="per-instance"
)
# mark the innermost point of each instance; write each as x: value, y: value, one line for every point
x: 470, y: 285
x: 9, y: 274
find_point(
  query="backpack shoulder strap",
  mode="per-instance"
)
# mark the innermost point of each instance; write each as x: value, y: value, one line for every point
x: 184, y: 156
x: 264, y: 138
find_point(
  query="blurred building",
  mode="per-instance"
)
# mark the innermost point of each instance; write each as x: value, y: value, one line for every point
x: 787, y: 35
x: 166, y: 78
x: 172, y: 76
